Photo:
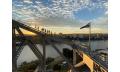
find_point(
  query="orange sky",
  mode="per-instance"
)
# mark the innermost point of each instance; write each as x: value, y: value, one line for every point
x: 68, y: 30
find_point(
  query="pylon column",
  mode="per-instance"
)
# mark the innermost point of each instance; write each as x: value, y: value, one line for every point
x: 14, y: 62
x: 74, y: 57
x: 44, y: 55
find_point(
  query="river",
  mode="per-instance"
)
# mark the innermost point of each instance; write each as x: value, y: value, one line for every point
x: 27, y: 55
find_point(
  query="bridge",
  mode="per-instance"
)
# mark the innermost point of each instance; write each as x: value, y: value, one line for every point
x: 89, y: 58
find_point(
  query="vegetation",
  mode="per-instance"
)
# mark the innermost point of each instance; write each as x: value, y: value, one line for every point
x: 28, y: 67
x: 31, y: 66
x: 60, y: 67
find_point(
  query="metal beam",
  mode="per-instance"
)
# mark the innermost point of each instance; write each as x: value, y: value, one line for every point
x: 33, y: 48
x: 44, y: 54
x: 30, y: 44
x: 20, y: 48
x: 14, y: 64
x: 26, y: 27
x: 55, y: 47
x: 74, y: 57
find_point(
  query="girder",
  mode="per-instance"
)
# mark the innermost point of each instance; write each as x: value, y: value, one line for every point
x: 14, y: 62
x: 31, y: 45
x: 49, y: 38
x: 55, y: 47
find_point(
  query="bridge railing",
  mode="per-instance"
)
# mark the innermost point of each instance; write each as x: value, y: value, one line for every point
x: 94, y: 57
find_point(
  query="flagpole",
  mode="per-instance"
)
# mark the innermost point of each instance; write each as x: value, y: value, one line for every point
x: 89, y: 38
x: 89, y: 42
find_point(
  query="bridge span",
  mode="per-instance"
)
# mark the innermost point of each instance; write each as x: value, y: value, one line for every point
x: 89, y: 58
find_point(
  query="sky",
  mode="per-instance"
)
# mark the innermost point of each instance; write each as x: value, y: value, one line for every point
x: 66, y: 16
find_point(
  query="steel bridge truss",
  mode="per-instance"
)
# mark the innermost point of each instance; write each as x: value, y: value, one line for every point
x: 44, y: 38
x: 16, y: 26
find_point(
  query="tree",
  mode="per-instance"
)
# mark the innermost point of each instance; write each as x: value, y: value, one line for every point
x: 28, y: 67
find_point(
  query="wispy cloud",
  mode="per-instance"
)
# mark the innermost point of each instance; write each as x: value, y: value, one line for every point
x: 27, y: 1
x: 65, y: 8
x: 58, y: 12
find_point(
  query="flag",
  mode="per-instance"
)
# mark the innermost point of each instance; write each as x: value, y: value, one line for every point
x: 86, y: 26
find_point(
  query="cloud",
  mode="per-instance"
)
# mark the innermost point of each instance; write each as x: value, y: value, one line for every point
x: 106, y: 13
x: 71, y: 30
x: 65, y: 8
x: 27, y: 1
x: 101, y: 21
x: 59, y: 13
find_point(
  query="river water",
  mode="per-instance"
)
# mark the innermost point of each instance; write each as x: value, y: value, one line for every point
x: 27, y: 55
